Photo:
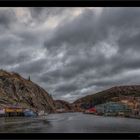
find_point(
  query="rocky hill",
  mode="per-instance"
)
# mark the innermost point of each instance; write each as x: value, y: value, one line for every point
x: 15, y: 90
x: 60, y: 104
x: 109, y: 95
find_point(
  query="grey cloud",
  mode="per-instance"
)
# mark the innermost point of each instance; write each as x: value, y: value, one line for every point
x: 86, y: 27
x: 79, y: 30
x: 9, y: 54
x: 130, y: 41
x: 66, y: 88
x: 120, y: 17
x: 78, y: 57
x: 86, y: 30
x: 7, y: 17
x: 31, y: 67
x: 8, y: 59
x: 41, y: 14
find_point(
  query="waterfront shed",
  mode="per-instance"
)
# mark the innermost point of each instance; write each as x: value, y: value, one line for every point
x: 13, y: 111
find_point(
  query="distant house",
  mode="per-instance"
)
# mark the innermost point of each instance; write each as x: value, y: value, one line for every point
x: 41, y: 113
x: 100, y: 108
x: 61, y: 110
x: 2, y: 112
x: 113, y: 108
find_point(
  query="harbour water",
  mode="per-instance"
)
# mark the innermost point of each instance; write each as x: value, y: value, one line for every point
x: 69, y: 123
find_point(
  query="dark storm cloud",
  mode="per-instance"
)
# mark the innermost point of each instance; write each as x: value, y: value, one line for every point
x: 84, y: 32
x: 48, y: 11
x: 76, y: 66
x: 5, y: 58
x: 6, y: 18
x: 40, y: 14
x: 31, y: 67
x: 79, y: 30
x: 66, y: 88
x: 72, y: 52
x: 90, y: 29
x: 28, y: 38
x: 130, y: 41
x: 120, y: 17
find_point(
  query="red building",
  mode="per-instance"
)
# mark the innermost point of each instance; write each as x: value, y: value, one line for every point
x: 91, y: 111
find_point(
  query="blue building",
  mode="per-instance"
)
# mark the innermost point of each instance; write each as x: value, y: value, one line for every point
x: 30, y: 113
x: 112, y: 108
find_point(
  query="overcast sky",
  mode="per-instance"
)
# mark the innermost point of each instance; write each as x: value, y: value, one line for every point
x: 72, y: 52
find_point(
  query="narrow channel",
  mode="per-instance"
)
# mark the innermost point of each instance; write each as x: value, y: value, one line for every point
x: 69, y: 123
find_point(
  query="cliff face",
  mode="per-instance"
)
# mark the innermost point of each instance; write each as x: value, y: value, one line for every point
x: 109, y: 95
x: 14, y: 89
